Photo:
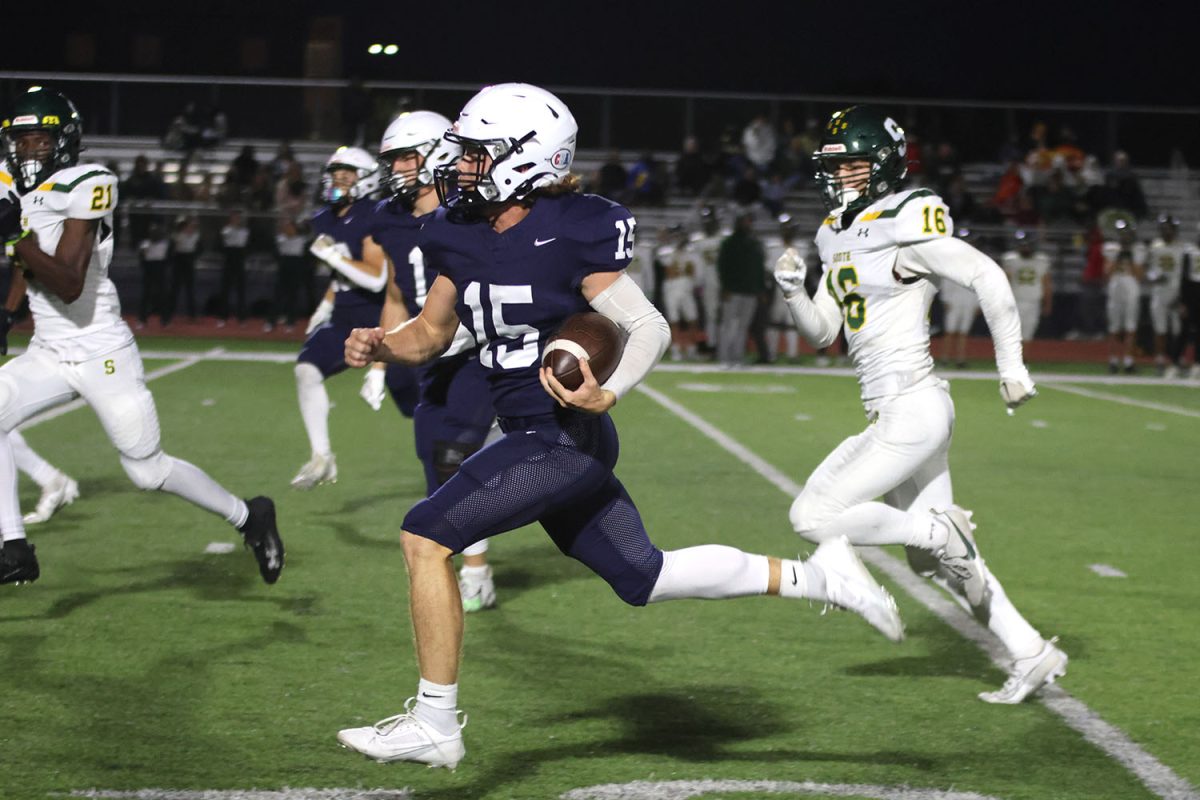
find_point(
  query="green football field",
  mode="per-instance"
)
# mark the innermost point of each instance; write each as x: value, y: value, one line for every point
x: 142, y: 666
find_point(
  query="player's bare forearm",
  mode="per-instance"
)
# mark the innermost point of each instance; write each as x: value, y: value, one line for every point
x: 16, y: 290
x: 413, y: 342
x: 63, y: 272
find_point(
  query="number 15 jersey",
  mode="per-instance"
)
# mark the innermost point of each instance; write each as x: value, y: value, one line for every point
x: 515, y: 288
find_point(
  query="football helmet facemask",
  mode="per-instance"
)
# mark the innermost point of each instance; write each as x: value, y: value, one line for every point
x: 419, y: 133
x: 859, y: 133
x: 515, y: 138
x: 366, y: 181
x: 41, y: 109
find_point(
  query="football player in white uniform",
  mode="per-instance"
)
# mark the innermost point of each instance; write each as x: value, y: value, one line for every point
x: 705, y: 243
x: 779, y: 319
x: 882, y: 248
x: 960, y: 306
x: 1124, y: 263
x: 681, y: 268
x: 1163, y: 272
x: 1028, y: 271
x: 56, y: 219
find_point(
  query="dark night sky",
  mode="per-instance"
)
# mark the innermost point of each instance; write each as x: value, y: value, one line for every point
x: 1058, y: 52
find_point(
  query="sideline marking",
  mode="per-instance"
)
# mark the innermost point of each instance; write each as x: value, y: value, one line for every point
x: 1154, y: 775
x: 246, y: 794
x: 1125, y: 401
x: 750, y: 388
x: 684, y: 790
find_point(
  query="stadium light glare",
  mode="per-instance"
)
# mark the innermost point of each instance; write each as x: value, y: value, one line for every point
x: 391, y: 50
x: 375, y: 49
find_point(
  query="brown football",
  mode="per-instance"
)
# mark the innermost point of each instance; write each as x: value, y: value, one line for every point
x: 586, y: 334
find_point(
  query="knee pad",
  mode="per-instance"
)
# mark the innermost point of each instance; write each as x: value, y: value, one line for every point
x: 307, y: 374
x: 448, y: 457
x: 149, y: 473
x: 807, y: 514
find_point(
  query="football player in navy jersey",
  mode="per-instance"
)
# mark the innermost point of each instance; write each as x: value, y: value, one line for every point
x: 517, y: 250
x: 455, y: 410
x: 349, y: 189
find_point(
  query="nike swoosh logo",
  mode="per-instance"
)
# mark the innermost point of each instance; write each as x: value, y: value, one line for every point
x: 540, y: 242
x: 432, y: 696
x: 794, y: 579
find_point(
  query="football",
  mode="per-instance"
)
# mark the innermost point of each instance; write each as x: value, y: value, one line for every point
x: 585, y: 335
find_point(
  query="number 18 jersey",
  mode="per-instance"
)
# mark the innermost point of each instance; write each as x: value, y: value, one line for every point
x: 885, y: 314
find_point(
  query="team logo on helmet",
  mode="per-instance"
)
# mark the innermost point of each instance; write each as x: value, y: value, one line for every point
x: 561, y: 159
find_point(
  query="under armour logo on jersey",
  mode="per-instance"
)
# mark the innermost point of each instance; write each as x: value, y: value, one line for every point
x: 38, y: 200
x: 864, y: 231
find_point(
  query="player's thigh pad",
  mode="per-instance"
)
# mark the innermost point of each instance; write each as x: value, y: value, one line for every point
x: 911, y: 429
x: 30, y: 383
x: 114, y: 386
x: 534, y: 470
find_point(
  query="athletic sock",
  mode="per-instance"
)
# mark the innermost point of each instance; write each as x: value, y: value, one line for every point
x: 928, y: 532
x: 802, y: 579
x: 194, y: 485
x: 314, y: 406
x: 437, y: 706
x: 29, y: 462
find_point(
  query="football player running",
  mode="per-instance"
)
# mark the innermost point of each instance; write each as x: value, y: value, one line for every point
x: 56, y: 218
x: 882, y: 248
x: 455, y: 412
x: 349, y: 189
x: 517, y: 250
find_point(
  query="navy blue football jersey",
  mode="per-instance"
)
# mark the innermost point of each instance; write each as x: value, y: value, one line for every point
x: 350, y: 229
x: 397, y: 231
x: 515, y: 288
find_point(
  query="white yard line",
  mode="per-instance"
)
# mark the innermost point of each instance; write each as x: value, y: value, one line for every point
x: 1154, y: 775
x: 1125, y: 401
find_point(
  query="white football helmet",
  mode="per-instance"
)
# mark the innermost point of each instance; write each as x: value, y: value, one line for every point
x: 529, y: 135
x: 420, y: 132
x: 364, y: 166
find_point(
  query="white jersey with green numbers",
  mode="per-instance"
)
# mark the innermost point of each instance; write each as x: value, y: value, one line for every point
x: 92, y: 324
x: 885, y: 316
x: 1164, y: 267
x: 1026, y: 274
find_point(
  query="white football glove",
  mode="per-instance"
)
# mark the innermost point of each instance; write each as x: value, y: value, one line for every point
x: 373, y: 389
x: 790, y: 270
x: 320, y: 315
x: 1016, y: 390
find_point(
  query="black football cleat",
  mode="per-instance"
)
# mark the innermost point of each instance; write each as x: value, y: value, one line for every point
x: 262, y: 537
x: 18, y: 564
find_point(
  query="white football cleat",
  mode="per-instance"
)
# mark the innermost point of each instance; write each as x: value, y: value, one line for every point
x: 848, y: 585
x: 959, y: 556
x: 406, y: 738
x: 319, y: 469
x: 1030, y: 674
x: 478, y: 592
x: 60, y: 491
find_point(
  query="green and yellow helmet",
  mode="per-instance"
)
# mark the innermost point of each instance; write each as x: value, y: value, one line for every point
x: 41, y: 109
x: 859, y: 133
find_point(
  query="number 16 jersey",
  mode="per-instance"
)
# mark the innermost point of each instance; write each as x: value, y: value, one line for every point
x: 885, y: 313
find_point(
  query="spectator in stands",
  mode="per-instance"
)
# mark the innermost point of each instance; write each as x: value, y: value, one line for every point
x: 692, y: 171
x: 244, y: 167
x: 645, y: 183
x: 185, y: 248
x: 291, y: 194
x: 747, y: 191
x: 283, y: 158
x: 1123, y: 189
x: 760, y: 143
x: 1038, y: 157
x: 1008, y: 191
x: 942, y: 168
x: 152, y: 253
x: 741, y: 265
x: 292, y: 247
x: 1056, y: 204
x: 796, y: 158
x: 139, y: 191
x: 959, y: 200
x: 612, y: 177
x: 184, y: 131
x: 774, y: 194
x: 215, y: 127
x: 914, y: 156
x: 235, y: 236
